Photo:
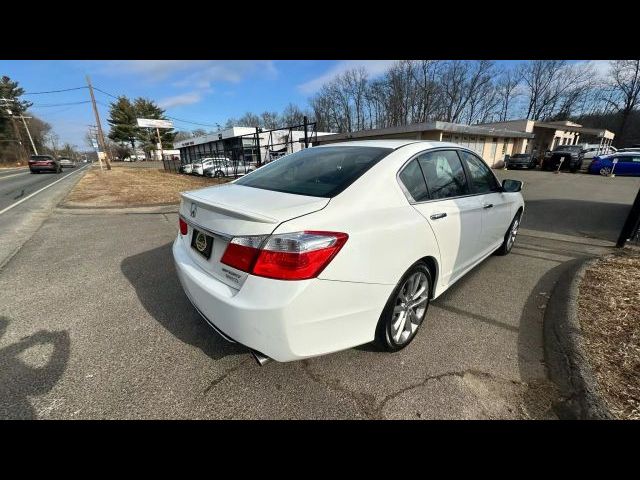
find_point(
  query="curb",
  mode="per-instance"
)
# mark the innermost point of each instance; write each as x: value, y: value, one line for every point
x: 168, y: 208
x: 563, y: 352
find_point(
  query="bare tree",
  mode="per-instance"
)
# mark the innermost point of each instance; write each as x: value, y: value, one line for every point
x: 625, y: 87
x: 507, y: 90
x: 270, y: 120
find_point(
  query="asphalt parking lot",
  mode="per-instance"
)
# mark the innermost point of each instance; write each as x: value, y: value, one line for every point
x: 94, y: 324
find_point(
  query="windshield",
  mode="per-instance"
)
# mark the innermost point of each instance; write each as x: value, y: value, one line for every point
x: 317, y: 172
x: 520, y: 155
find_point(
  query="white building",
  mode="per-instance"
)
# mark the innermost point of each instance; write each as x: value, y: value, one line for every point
x: 244, y: 144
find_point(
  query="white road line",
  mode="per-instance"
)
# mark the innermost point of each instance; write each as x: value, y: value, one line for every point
x: 9, y: 176
x: 38, y: 191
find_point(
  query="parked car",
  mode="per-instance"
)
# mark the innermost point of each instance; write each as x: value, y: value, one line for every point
x: 200, y: 166
x: 186, y: 168
x: 589, y: 152
x: 67, y: 162
x: 226, y: 168
x: 565, y: 156
x: 44, y: 163
x: 339, y: 245
x: 521, y: 160
x: 626, y: 163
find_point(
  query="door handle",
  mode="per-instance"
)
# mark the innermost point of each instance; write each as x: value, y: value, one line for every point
x: 436, y: 216
x: 488, y: 205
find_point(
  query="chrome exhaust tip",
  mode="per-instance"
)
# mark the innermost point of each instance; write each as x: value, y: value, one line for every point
x: 260, y: 358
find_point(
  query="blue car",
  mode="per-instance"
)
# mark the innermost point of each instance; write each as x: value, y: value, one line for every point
x: 626, y: 163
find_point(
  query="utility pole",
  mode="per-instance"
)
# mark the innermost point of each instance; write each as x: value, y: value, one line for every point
x: 100, y: 134
x: 35, y: 150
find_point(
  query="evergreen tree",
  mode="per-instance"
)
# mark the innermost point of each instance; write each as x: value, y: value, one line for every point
x: 122, y: 119
x: 11, y: 92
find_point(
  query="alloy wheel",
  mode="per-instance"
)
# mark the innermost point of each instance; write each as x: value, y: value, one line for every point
x: 409, y: 309
x: 512, y: 233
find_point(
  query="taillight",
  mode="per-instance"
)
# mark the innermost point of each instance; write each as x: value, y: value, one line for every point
x: 184, y: 228
x: 287, y: 256
x: 242, y: 252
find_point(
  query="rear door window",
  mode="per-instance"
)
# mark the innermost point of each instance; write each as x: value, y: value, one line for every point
x: 481, y: 178
x: 444, y: 174
x: 413, y: 181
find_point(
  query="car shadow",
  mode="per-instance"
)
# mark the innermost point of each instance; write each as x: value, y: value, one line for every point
x: 153, y: 275
x: 580, y: 218
x: 19, y: 380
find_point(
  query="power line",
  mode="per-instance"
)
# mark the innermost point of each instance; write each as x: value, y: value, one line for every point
x: 42, y: 105
x: 54, y: 91
x: 194, y: 123
x: 168, y: 116
x: 106, y: 93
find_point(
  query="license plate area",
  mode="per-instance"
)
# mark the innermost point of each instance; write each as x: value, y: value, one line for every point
x: 202, y: 243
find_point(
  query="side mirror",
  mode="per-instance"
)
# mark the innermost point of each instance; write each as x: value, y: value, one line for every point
x: 511, y: 186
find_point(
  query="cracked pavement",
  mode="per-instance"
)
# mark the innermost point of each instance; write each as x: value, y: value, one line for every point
x: 94, y: 324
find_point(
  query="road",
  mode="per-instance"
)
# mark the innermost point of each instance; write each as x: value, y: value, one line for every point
x: 94, y: 324
x: 26, y: 200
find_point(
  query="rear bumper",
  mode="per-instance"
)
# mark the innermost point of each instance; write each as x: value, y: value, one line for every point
x: 42, y: 168
x: 285, y: 320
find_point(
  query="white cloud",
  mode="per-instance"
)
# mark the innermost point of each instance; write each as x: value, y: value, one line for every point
x: 182, y: 99
x: 232, y: 71
x: 372, y: 67
x: 192, y: 73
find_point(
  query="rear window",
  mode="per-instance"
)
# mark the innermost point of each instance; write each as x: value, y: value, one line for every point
x: 41, y: 157
x: 316, y: 172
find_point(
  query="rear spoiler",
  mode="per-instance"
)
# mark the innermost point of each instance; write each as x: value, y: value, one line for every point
x: 229, y: 210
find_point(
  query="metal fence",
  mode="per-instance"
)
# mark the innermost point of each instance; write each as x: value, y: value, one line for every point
x: 238, y: 155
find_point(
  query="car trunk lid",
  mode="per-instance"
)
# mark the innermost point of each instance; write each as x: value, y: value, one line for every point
x: 227, y: 211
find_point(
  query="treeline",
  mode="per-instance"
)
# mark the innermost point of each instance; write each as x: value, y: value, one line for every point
x: 14, y: 139
x: 471, y: 92
x: 480, y: 91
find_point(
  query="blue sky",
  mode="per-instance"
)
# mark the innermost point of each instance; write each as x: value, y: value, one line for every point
x: 203, y: 91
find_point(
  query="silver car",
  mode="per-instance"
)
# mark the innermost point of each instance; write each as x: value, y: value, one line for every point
x: 228, y: 168
x: 67, y: 163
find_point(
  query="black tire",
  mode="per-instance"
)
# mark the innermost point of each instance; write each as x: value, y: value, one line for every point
x: 507, y: 245
x: 219, y: 174
x: 384, y: 338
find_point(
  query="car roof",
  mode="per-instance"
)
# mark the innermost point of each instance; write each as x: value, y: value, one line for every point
x: 394, y: 144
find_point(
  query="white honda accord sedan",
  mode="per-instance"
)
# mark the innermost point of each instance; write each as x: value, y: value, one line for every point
x: 340, y: 245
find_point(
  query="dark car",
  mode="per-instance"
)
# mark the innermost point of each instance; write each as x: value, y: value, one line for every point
x: 567, y: 157
x: 625, y: 163
x: 521, y: 160
x: 44, y: 163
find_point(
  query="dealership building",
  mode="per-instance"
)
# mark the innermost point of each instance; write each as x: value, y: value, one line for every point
x: 549, y: 135
x: 245, y: 144
x: 492, y: 141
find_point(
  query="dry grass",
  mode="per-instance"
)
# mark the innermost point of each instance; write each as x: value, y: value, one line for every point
x: 609, y: 313
x: 128, y: 187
